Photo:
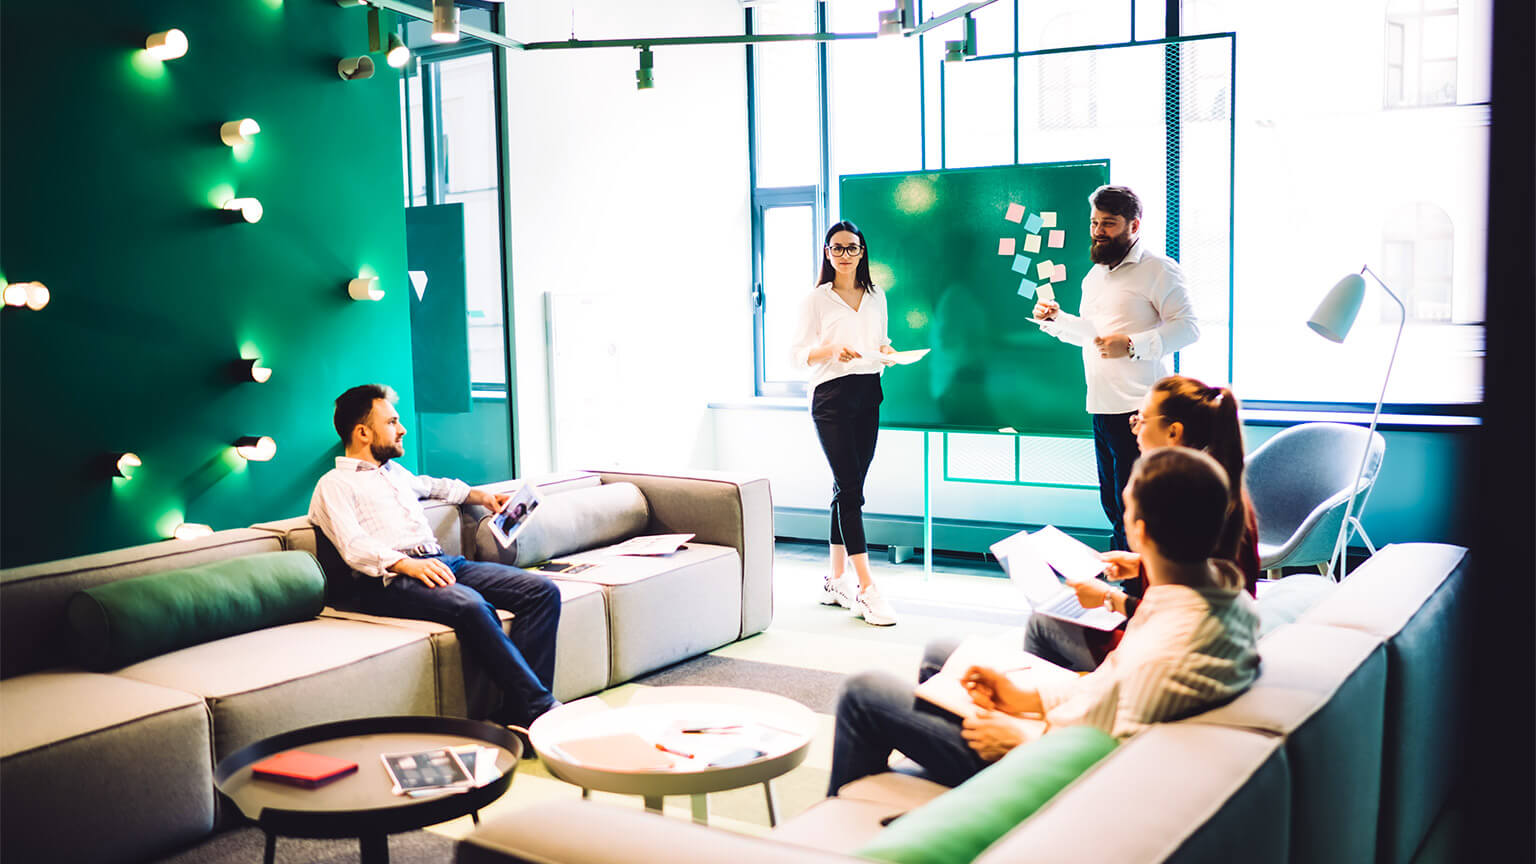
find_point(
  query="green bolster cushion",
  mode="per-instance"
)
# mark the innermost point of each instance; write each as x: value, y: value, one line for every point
x: 569, y: 522
x: 960, y: 824
x: 134, y: 619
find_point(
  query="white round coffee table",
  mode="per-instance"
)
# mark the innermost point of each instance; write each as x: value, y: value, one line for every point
x: 730, y: 719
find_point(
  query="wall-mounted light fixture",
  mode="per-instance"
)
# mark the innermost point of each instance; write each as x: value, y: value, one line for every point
x: 191, y: 531
x: 354, y: 68
x: 251, y: 370
x: 123, y: 464
x: 956, y: 50
x: 644, y: 80
x: 365, y: 288
x: 398, y: 55
x: 890, y: 23
x: 33, y: 295
x: 256, y: 448
x: 167, y: 44
x: 244, y: 209
x: 445, y: 21
x: 346, y: 3
x: 237, y: 132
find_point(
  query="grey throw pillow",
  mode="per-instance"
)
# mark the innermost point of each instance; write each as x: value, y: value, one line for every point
x: 570, y: 522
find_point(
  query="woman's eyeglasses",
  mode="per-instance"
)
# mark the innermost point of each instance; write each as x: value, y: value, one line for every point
x: 845, y: 251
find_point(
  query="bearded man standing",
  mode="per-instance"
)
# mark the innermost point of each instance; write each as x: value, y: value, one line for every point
x: 1136, y: 301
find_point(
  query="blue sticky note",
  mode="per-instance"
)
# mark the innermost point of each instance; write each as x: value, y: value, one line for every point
x: 1021, y: 263
x: 1033, y: 223
x: 1027, y: 289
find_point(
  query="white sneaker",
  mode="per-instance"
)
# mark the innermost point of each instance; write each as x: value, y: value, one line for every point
x: 873, y: 607
x: 837, y: 592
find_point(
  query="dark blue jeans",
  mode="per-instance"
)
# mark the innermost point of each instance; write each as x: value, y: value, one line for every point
x: 522, y: 665
x: 1115, y: 446
x: 877, y: 713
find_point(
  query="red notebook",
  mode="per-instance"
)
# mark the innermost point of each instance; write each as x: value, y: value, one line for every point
x: 302, y: 769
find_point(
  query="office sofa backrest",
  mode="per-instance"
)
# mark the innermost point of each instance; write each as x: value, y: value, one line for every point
x: 33, y: 598
x: 1412, y: 596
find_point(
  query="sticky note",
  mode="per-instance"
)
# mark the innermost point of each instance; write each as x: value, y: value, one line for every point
x: 1034, y: 223
x: 1015, y: 213
x: 1060, y: 275
x: 1026, y: 289
x: 1048, y: 218
x: 1032, y: 243
x: 1045, y: 269
x: 1047, y: 293
x: 1005, y: 246
x: 1021, y: 263
x: 1055, y: 239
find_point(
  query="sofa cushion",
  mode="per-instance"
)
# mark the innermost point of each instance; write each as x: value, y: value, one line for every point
x: 958, y: 825
x: 570, y: 522
x: 101, y: 768
x: 282, y: 678
x: 1285, y: 600
x: 133, y: 619
x: 34, y: 635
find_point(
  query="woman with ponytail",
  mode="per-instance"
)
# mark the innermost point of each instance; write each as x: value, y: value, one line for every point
x: 1179, y: 411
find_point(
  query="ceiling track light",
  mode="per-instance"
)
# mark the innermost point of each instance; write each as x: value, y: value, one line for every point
x: 398, y: 55
x: 123, y: 464
x: 191, y: 531
x: 244, y: 210
x: 354, y: 68
x: 365, y: 288
x: 644, y: 79
x: 445, y: 21
x: 238, y: 132
x: 251, y: 370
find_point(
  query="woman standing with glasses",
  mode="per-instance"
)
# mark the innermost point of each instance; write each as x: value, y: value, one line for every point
x: 841, y: 337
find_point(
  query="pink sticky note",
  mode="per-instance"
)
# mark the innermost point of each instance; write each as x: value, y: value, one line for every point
x: 1055, y: 239
x: 1045, y: 269
x: 1015, y: 213
x: 1032, y: 243
x: 1061, y: 273
x: 1005, y: 246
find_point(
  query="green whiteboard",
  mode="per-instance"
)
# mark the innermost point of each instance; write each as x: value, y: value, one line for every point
x: 936, y: 241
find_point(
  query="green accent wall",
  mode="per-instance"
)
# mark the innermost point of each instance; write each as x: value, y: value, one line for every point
x: 112, y: 169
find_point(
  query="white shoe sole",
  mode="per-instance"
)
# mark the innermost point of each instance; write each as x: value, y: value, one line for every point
x: 876, y: 620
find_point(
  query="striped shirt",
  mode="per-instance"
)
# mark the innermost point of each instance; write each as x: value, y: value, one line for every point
x: 372, y: 512
x: 1186, y: 650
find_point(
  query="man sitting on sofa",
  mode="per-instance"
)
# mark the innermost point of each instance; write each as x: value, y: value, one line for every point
x: 1191, y: 646
x: 368, y: 505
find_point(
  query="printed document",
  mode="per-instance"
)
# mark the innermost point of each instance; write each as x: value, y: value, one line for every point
x: 1033, y: 561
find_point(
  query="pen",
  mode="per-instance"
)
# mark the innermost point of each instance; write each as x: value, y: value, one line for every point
x: 702, y: 730
x: 665, y: 749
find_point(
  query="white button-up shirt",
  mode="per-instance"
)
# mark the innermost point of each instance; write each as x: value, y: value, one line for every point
x: 371, y: 513
x: 825, y: 318
x: 1143, y: 297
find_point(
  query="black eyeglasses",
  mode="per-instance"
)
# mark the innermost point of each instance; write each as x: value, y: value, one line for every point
x: 845, y: 251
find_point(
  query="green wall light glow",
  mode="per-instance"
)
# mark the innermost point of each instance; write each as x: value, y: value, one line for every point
x: 165, y: 526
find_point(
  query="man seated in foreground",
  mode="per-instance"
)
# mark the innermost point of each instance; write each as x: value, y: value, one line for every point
x: 369, y: 506
x: 1191, y: 646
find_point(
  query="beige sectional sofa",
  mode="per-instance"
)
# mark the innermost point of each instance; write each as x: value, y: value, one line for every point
x: 131, y: 751
x: 1343, y: 751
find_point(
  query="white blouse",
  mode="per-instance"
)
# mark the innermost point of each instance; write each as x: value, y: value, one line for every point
x: 825, y: 318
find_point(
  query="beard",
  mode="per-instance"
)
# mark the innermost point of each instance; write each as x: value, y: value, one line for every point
x: 384, y: 452
x: 1112, y: 251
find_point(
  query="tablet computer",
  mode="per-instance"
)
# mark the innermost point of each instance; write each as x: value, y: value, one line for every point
x: 513, y: 518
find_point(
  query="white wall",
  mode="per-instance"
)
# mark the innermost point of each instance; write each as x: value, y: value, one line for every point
x: 639, y: 198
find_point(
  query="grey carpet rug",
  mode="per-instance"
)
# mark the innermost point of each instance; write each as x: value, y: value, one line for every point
x: 247, y: 845
x: 813, y: 688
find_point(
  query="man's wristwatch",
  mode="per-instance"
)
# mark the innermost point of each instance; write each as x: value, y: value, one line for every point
x: 1130, y: 348
x: 1109, y: 600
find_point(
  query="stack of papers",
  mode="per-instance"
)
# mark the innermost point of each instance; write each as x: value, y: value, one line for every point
x: 650, y: 544
x: 1033, y: 561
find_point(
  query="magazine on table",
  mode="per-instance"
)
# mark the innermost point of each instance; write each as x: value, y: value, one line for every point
x: 1033, y: 562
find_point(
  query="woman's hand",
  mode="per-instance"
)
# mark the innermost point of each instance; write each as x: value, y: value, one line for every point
x: 886, y: 349
x: 1122, y: 565
x: 992, y: 735
x: 991, y: 690
x: 1045, y: 310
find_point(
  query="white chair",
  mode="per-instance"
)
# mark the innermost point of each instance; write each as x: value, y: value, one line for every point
x: 1299, y: 482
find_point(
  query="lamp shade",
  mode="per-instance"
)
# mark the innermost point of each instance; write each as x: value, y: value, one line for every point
x: 1336, y: 314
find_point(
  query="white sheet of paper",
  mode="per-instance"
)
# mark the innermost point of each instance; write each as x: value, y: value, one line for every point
x: 1028, y: 560
x: 1072, y: 558
x: 1032, y: 243
x: 1071, y: 325
x: 903, y: 358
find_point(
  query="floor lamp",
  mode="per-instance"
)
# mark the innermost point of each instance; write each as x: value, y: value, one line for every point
x: 1332, y: 320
